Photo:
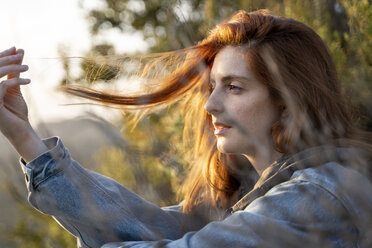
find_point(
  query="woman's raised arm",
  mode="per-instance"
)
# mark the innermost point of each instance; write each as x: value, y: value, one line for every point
x: 14, y: 124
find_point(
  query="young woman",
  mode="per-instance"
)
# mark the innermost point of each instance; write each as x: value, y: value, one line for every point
x: 258, y: 86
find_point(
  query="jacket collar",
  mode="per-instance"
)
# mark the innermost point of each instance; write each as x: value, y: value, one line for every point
x: 282, y: 170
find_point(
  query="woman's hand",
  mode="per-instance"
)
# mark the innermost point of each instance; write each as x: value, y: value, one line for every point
x: 14, y: 122
x: 13, y: 109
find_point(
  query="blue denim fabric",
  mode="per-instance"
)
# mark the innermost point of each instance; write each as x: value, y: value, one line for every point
x: 326, y: 206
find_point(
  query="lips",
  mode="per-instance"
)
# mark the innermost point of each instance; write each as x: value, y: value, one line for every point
x: 220, y: 128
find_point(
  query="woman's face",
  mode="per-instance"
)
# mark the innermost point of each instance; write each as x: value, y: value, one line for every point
x: 241, y: 107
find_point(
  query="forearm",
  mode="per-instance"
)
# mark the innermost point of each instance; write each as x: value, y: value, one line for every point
x: 14, y: 123
x: 27, y: 143
x: 94, y: 208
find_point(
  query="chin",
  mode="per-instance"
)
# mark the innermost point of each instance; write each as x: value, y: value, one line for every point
x: 224, y: 147
x: 235, y: 146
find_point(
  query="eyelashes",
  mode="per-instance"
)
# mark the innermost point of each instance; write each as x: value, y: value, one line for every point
x: 234, y: 88
x: 230, y: 87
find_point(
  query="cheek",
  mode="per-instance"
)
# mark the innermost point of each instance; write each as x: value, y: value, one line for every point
x: 256, y: 116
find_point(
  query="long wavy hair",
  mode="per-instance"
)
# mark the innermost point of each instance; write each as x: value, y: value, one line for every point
x: 286, y: 56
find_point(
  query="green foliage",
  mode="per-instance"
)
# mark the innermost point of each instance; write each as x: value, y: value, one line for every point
x: 358, y: 65
x: 41, y: 231
x: 34, y: 229
x: 343, y: 24
x: 153, y: 164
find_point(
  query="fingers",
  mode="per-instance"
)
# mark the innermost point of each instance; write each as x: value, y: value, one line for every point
x: 12, y: 70
x: 11, y: 59
x: 21, y: 54
x: 10, y: 63
x: 11, y: 83
x: 8, y: 52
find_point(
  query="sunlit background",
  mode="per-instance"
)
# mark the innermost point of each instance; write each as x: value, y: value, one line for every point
x: 98, y: 137
x: 44, y: 27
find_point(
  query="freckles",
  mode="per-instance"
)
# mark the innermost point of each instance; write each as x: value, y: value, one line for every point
x: 254, y: 115
x: 247, y: 115
x: 242, y: 113
x: 240, y: 110
x: 247, y: 109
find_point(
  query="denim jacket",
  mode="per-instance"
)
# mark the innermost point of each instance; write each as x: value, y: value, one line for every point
x: 311, y: 199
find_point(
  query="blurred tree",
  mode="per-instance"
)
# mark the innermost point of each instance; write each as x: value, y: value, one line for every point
x: 153, y: 165
x: 34, y: 229
x: 343, y: 24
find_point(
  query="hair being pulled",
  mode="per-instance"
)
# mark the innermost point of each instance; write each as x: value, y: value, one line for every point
x: 283, y: 54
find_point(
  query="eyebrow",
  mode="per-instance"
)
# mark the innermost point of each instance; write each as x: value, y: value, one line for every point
x: 231, y: 77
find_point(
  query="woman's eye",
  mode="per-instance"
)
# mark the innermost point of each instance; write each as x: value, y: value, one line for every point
x: 233, y: 88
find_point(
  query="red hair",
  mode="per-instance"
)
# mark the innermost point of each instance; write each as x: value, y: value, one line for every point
x: 285, y: 55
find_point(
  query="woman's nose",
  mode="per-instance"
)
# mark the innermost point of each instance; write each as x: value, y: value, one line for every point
x: 214, y: 103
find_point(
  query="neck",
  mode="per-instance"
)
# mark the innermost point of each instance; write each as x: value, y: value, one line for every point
x: 262, y: 160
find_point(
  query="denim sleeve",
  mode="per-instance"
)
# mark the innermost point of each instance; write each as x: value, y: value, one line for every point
x: 94, y: 208
x: 296, y: 213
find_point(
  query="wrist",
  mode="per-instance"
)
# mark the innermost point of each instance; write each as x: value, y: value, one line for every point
x: 17, y: 136
x: 28, y: 144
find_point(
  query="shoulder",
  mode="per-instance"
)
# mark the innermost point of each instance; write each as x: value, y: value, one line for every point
x: 348, y: 186
x: 299, y: 201
x: 324, y: 192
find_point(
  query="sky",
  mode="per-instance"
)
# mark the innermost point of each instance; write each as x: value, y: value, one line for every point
x: 40, y: 27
